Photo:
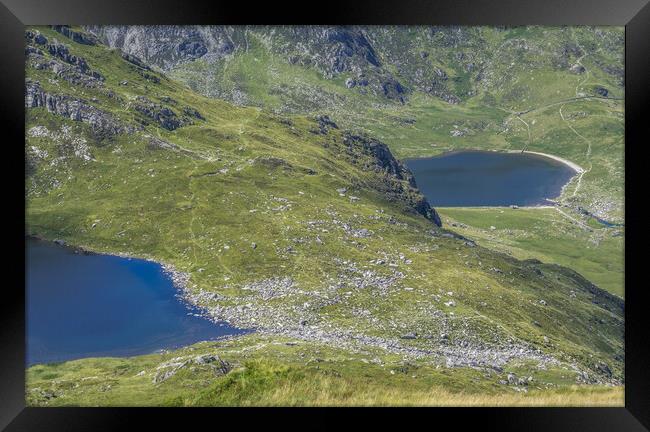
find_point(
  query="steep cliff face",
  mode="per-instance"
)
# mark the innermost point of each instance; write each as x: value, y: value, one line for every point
x: 101, y: 122
x: 330, y: 50
x: 399, y: 183
x: 454, y: 64
x: 333, y: 50
x: 168, y: 46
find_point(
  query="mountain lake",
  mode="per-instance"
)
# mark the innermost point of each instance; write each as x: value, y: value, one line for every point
x: 485, y: 178
x: 93, y: 305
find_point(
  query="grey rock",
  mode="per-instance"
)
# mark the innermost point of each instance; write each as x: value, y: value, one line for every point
x: 158, y: 144
x: 101, y: 122
x: 604, y: 369
x: 135, y: 61
x: 162, y: 115
x: 411, y: 335
x: 192, y: 112
x: 77, y: 36
x: 602, y: 91
x: 70, y: 67
x: 577, y: 69
x: 324, y: 125
x: 400, y: 183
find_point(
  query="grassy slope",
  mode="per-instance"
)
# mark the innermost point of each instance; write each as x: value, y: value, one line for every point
x: 284, y: 372
x: 201, y: 208
x: 556, y: 117
x: 521, y: 76
x: 546, y: 234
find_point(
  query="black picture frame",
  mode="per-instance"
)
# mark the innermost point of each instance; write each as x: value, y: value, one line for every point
x: 633, y: 14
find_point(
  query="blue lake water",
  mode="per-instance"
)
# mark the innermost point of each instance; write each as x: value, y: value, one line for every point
x: 480, y: 178
x: 89, y: 305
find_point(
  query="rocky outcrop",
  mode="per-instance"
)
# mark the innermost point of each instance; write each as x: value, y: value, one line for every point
x: 193, y: 112
x: 398, y: 183
x: 437, y: 86
x: 324, y: 125
x: 168, y: 46
x: 615, y: 71
x: 601, y: 91
x: 162, y: 115
x: 61, y: 51
x: 101, y: 123
x: 392, y: 89
x: 135, y: 61
x: 79, y: 37
x: 60, y: 61
x: 141, y: 68
x: 348, y: 43
x: 382, y: 155
x: 577, y: 69
x: 69, y: 73
x: 166, y: 370
x: 158, y: 144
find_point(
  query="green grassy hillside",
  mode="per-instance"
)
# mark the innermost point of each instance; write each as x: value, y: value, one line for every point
x: 290, y: 225
x: 556, y: 90
x: 275, y: 371
x: 549, y: 234
x: 428, y: 90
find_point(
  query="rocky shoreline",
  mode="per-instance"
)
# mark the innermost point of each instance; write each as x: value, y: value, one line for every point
x: 465, y: 354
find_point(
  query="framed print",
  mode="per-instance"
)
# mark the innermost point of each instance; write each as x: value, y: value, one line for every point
x: 380, y: 205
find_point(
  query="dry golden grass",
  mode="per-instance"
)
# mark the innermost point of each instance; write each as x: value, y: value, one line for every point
x: 334, y: 391
x: 292, y: 395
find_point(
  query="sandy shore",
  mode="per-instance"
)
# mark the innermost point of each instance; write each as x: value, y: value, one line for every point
x: 577, y: 168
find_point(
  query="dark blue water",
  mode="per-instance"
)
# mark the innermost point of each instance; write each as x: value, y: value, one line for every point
x: 101, y: 305
x: 607, y: 223
x: 477, y: 178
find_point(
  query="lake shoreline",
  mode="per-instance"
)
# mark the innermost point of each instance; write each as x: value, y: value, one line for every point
x: 574, y: 166
x: 509, y: 178
x: 179, y: 280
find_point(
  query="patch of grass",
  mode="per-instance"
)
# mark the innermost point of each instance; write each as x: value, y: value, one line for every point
x: 550, y: 235
x: 268, y: 372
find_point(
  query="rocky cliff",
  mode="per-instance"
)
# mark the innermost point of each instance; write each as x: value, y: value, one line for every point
x: 452, y: 63
x: 101, y: 122
x: 399, y: 183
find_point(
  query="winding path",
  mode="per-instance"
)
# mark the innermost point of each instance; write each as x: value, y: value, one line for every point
x: 587, y: 154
